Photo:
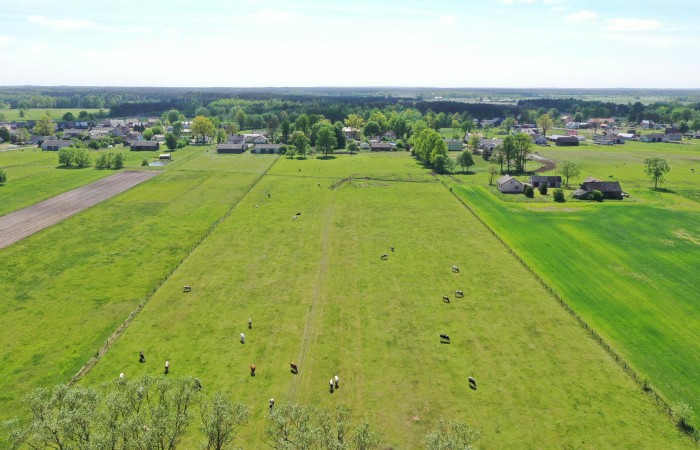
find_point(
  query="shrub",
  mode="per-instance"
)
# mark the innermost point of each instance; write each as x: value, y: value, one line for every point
x: 66, y: 155
x: 3, y: 176
x: 597, y: 196
x: 683, y: 415
x: 529, y: 192
x: 94, y: 145
x: 543, y: 189
x: 101, y: 161
x: 118, y: 160
x: 559, y: 195
x: 144, y: 162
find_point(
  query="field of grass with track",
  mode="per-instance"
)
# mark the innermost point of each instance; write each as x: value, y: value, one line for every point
x: 67, y: 288
x: 319, y: 294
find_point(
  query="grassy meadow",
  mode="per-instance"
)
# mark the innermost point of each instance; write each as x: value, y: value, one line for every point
x: 34, y: 175
x: 319, y: 295
x: 69, y: 287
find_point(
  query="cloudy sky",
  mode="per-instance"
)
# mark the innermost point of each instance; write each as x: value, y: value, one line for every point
x: 441, y: 43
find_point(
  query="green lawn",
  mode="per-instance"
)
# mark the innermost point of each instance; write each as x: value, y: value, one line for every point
x: 319, y: 295
x: 34, y: 175
x: 67, y: 288
x: 628, y: 269
x: 54, y: 113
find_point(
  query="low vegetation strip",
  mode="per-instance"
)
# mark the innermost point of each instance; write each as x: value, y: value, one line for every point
x: 20, y: 224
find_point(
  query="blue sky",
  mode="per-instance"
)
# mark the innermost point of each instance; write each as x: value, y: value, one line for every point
x: 441, y: 43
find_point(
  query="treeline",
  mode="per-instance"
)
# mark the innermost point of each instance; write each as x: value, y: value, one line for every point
x: 157, y: 412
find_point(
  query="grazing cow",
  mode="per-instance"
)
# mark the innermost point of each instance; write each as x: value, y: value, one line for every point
x: 455, y: 269
x: 252, y: 370
x: 459, y: 294
x: 242, y: 338
x: 167, y: 367
x: 142, y: 357
x: 392, y: 248
x: 197, y: 384
x: 272, y: 403
x: 385, y: 256
x: 121, y: 376
x: 295, y: 217
x: 331, y: 384
x: 472, y: 383
x: 294, y: 367
x: 186, y: 288
x: 298, y: 214
x: 445, y: 337
x: 250, y: 324
x: 268, y: 195
x: 335, y: 378
x: 446, y: 299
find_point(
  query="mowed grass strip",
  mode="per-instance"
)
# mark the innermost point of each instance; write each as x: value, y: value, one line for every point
x: 319, y: 294
x: 68, y: 288
x: 629, y: 270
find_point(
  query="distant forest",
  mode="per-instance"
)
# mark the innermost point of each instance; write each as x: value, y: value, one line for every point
x: 337, y: 103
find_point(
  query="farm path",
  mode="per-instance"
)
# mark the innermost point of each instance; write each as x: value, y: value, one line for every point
x: 310, y: 333
x: 20, y: 224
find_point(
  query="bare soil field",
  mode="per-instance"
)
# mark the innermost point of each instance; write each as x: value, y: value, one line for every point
x: 25, y: 222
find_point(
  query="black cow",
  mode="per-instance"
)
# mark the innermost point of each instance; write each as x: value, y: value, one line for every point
x: 446, y: 299
x: 385, y: 256
x: 445, y: 337
x: 459, y: 294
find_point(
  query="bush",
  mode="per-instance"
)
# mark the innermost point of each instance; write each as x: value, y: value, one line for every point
x: 543, y: 189
x: 597, y: 196
x: 529, y: 192
x: 683, y: 414
x: 559, y: 195
x: 101, y: 162
x: 3, y: 176
x: 144, y: 162
x: 94, y: 145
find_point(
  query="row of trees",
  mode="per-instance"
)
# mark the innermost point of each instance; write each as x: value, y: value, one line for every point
x: 156, y: 412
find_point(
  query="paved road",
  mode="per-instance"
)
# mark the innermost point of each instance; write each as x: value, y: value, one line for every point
x: 25, y: 222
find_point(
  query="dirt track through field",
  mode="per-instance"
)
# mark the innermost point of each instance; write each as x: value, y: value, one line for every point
x: 20, y: 224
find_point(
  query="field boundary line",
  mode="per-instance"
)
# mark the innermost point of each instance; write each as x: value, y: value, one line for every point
x: 130, y: 318
x: 624, y: 365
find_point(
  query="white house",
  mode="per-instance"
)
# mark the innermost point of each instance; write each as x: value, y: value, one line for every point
x: 510, y: 185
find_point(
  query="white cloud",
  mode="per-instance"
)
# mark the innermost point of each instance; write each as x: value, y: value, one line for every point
x: 581, y: 15
x: 6, y: 40
x: 553, y: 2
x: 268, y: 16
x: 65, y: 24
x: 632, y: 24
x: 512, y: 2
x: 559, y: 8
x: 448, y: 19
x: 73, y: 25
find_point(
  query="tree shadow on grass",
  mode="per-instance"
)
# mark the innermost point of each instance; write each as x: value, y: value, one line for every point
x: 664, y: 190
x: 326, y: 157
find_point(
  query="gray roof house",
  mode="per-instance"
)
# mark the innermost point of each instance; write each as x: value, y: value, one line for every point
x: 145, y: 145
x: 55, y: 144
x: 610, y: 189
x: 231, y: 148
x: 267, y: 148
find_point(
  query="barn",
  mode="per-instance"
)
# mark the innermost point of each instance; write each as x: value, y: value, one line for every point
x: 509, y: 185
x: 145, y: 146
x: 231, y: 148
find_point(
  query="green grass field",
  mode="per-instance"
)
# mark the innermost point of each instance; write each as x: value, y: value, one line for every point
x: 36, y: 113
x: 34, y: 175
x: 319, y: 295
x: 70, y: 286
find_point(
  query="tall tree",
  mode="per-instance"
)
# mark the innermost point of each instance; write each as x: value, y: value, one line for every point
x: 544, y: 122
x: 522, y: 143
x: 202, y: 128
x: 300, y: 142
x: 273, y: 123
x: 354, y: 121
x: 221, y: 420
x: 326, y: 140
x: 508, y: 124
x: 656, y: 168
x: 474, y: 142
x: 44, y: 126
x: 570, y: 170
x: 372, y: 128
x: 286, y: 127
x: 465, y: 160
x: 451, y: 435
x: 303, y: 124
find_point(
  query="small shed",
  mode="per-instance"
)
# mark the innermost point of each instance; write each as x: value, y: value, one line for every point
x: 165, y: 156
x: 566, y: 141
x: 145, y: 146
x: 267, y: 148
x: 548, y: 180
x: 231, y: 148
